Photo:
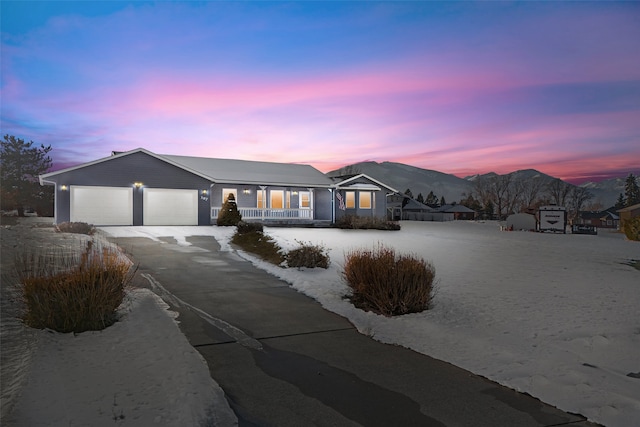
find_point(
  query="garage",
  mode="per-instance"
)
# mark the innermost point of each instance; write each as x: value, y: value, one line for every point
x: 165, y: 206
x: 101, y: 205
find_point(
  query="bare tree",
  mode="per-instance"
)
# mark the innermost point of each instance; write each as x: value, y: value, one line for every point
x: 529, y: 191
x: 558, y: 191
x: 499, y: 186
x: 578, y: 197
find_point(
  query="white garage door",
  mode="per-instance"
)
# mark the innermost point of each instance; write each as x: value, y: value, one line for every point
x: 163, y: 206
x: 102, y: 205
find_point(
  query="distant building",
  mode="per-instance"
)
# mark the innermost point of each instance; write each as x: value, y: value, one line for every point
x: 600, y: 219
x: 459, y: 211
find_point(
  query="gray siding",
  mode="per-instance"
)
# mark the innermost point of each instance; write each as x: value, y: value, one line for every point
x: 321, y: 196
x: 379, y: 209
x: 124, y: 172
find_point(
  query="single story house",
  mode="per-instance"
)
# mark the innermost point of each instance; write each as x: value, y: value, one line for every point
x: 401, y: 206
x: 600, y: 219
x: 139, y: 187
x: 459, y: 211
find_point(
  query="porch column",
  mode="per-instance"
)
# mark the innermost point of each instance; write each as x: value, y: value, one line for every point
x: 263, y: 188
x: 311, y: 202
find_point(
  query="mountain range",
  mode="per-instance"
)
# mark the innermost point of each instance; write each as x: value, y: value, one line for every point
x: 402, y: 177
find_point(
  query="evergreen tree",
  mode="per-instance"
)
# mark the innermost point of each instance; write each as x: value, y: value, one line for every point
x: 442, y: 201
x: 471, y: 203
x: 229, y: 214
x: 631, y: 191
x: 431, y: 199
x: 420, y: 198
x: 408, y: 193
x: 488, y: 209
x: 621, y: 202
x: 21, y: 163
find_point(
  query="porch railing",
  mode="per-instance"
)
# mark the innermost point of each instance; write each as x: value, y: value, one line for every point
x: 258, y: 213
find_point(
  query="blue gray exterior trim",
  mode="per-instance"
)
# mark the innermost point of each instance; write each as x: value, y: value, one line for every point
x: 155, y: 171
x: 125, y: 171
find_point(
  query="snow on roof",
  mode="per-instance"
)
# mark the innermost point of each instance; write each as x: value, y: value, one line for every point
x: 454, y: 208
x: 228, y: 171
x: 253, y: 172
x: 342, y: 184
x: 361, y: 186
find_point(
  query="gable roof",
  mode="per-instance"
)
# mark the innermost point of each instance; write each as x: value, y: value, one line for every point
x: 630, y: 208
x: 454, y: 208
x: 411, y: 205
x: 227, y: 171
x: 603, y: 215
x: 344, y: 183
x: 253, y: 172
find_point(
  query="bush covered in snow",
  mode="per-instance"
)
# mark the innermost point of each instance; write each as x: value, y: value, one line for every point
x: 76, y: 227
x: 308, y: 255
x: 386, y: 283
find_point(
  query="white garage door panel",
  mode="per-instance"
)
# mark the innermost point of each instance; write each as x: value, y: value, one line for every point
x: 163, y: 206
x: 102, y: 205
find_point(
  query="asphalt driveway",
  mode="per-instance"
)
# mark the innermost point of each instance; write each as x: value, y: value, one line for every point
x: 283, y: 360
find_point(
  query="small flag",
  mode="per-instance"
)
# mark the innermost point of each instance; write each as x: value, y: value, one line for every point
x: 341, y: 202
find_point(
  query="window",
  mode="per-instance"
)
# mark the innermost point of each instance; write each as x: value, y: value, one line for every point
x: 227, y: 191
x: 305, y: 200
x: 277, y: 199
x: 365, y: 200
x: 260, y: 199
x: 350, y: 199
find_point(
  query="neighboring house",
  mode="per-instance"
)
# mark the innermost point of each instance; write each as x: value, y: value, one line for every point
x: 458, y: 211
x: 629, y: 212
x: 601, y: 219
x: 139, y: 187
x: 400, y: 206
x: 360, y: 195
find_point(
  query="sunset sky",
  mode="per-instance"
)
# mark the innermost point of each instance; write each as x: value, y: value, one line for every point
x: 457, y: 87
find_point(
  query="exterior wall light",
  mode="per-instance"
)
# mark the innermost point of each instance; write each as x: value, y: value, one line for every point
x: 137, y: 184
x: 63, y: 188
x: 204, y: 192
x: 295, y: 193
x: 246, y: 191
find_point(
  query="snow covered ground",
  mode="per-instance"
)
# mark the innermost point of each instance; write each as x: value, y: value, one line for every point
x: 139, y: 371
x: 556, y: 316
x: 129, y: 374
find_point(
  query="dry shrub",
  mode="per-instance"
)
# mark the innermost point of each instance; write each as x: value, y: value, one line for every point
x: 76, y: 227
x: 355, y: 222
x: 70, y: 292
x: 631, y: 228
x: 308, y: 255
x: 259, y: 244
x: 389, y: 284
x: 249, y: 227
